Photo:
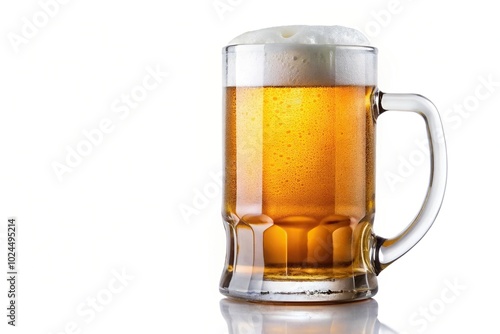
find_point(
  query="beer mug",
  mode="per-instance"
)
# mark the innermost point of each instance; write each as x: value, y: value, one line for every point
x: 301, y: 105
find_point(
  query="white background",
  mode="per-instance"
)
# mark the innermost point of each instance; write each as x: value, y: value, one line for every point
x: 119, y: 209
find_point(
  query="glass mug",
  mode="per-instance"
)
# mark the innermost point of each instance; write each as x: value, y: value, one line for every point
x: 299, y: 181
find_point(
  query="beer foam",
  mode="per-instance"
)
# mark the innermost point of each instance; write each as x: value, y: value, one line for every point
x: 332, y: 35
x: 301, y: 56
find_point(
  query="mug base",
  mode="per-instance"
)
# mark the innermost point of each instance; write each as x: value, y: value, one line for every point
x: 326, y: 291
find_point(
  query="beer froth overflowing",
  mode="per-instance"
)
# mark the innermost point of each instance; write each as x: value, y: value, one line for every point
x: 302, y: 56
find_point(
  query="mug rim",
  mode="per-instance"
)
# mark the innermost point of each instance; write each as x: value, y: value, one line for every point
x: 259, y: 46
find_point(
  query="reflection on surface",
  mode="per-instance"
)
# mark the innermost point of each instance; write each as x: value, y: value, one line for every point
x: 250, y: 318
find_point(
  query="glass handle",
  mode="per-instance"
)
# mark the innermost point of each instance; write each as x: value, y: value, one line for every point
x: 386, y: 251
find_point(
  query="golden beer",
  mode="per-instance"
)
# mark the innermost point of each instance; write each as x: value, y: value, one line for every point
x: 299, y: 187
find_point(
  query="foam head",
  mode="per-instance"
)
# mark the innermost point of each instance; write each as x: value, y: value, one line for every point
x: 331, y: 35
x: 300, y: 56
